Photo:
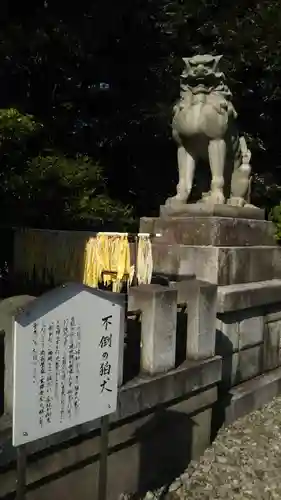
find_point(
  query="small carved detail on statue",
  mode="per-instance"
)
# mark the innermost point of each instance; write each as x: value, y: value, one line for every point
x: 241, y: 179
x: 204, y: 126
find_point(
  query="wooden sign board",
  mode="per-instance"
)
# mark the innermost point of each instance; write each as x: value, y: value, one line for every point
x: 68, y: 355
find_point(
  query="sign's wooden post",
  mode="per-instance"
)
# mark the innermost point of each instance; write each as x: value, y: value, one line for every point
x: 103, y: 458
x: 21, y: 472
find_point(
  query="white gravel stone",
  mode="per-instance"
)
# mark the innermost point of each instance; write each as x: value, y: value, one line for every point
x: 244, y: 462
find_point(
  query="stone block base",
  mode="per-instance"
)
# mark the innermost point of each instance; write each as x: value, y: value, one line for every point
x: 238, y: 330
x: 219, y: 265
x: 266, y: 294
x: 215, y: 231
x: 252, y: 395
x: 242, y: 366
x: 272, y: 341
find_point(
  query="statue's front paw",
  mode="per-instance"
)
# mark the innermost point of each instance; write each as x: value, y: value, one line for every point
x: 216, y: 198
x: 174, y: 201
x: 249, y: 205
x: 236, y: 201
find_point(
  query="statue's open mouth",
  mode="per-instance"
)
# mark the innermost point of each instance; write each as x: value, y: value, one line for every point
x: 203, y: 79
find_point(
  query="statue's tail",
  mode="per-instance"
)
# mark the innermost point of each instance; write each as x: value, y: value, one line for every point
x: 246, y: 153
x: 241, y: 153
x: 241, y: 177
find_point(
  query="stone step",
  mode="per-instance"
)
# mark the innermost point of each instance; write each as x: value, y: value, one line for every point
x: 252, y: 395
x: 250, y: 295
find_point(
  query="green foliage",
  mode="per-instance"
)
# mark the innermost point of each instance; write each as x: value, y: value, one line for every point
x: 15, y: 126
x: 52, y: 189
x: 74, y: 188
x: 54, y: 60
x: 275, y: 216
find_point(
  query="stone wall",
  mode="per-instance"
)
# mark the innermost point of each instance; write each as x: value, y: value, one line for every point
x: 198, y: 353
x: 144, y: 452
x: 231, y: 342
x: 248, y: 329
x: 238, y: 254
x: 248, y: 339
x: 164, y: 411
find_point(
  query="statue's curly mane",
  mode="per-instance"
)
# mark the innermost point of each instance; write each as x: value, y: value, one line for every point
x: 203, y: 87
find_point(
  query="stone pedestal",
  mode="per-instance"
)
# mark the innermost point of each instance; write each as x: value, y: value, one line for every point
x: 221, y: 250
x: 239, y: 255
x: 210, y: 231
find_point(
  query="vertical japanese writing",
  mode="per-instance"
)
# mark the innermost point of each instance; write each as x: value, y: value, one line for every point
x: 56, y: 368
x: 57, y: 359
x: 34, y: 352
x: 77, y: 357
x: 63, y: 371
x: 49, y: 378
x: 105, y: 344
x: 70, y: 392
x: 42, y: 386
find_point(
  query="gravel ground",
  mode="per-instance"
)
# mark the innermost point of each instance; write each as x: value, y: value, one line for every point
x: 243, y: 462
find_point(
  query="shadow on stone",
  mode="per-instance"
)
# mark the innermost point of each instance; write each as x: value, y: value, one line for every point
x: 2, y: 372
x: 224, y: 348
x: 160, y: 279
x: 181, y: 337
x: 132, y: 350
x: 165, y: 449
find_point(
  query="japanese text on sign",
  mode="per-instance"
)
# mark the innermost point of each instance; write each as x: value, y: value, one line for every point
x: 105, y: 345
x: 66, y: 358
x: 59, y: 367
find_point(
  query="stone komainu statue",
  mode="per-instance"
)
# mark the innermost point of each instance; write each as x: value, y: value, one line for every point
x: 204, y: 126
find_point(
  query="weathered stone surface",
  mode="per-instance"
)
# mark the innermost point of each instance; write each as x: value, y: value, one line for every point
x: 166, y: 259
x: 272, y: 345
x: 205, y: 209
x: 251, y: 329
x: 247, y: 295
x: 143, y: 446
x: 239, y: 329
x: 242, y: 366
x: 250, y: 363
x: 215, y: 231
x: 8, y: 309
x: 227, y: 334
x: 201, y: 320
x: 184, y: 288
x: 252, y: 395
x: 219, y: 265
x: 140, y: 450
x: 200, y: 298
x: 138, y: 396
x: 227, y: 266
x: 158, y: 306
x: 142, y: 395
x: 273, y: 313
